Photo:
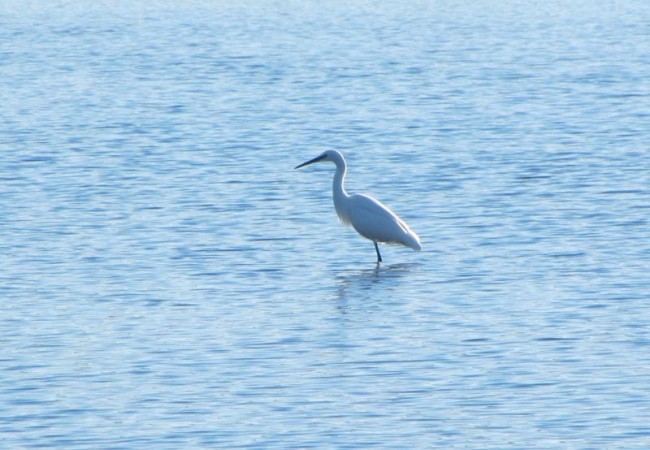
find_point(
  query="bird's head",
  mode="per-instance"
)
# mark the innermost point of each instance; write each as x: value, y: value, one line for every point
x: 328, y: 155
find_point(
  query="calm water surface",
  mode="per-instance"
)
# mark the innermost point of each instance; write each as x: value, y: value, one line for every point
x: 168, y: 281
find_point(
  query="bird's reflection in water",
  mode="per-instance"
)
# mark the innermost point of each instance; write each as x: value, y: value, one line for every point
x: 360, y: 286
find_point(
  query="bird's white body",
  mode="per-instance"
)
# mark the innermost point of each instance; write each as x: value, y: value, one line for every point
x: 374, y: 221
x: 369, y: 217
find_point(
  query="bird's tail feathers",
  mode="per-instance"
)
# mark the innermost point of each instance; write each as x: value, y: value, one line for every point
x: 411, y: 239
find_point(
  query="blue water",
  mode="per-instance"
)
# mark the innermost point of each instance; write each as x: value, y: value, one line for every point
x: 167, y: 280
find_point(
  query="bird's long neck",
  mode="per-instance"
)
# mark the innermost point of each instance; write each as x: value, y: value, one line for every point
x: 338, y: 191
x: 338, y: 185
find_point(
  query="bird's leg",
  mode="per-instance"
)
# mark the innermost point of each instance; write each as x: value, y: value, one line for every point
x: 377, y: 250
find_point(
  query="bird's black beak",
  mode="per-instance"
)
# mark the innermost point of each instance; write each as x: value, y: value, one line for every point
x: 311, y: 161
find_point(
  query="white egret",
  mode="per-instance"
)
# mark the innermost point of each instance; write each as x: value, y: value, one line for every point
x: 370, y: 218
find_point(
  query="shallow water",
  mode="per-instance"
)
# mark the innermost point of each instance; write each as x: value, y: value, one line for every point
x: 168, y: 280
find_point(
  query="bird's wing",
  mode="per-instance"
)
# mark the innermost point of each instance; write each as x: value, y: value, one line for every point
x: 375, y: 221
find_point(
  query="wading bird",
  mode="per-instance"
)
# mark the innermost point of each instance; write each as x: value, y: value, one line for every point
x: 368, y: 216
